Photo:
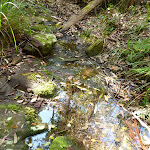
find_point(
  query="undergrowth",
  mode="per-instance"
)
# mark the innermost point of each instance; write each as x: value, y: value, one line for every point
x: 13, y: 19
x: 137, y: 56
x: 12, y: 22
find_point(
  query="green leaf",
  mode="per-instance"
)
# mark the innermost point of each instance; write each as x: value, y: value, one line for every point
x: 51, y: 137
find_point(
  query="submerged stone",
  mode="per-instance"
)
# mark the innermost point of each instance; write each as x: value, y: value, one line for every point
x: 95, y: 48
x: 63, y: 143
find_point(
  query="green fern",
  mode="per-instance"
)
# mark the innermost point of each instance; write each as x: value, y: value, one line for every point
x: 140, y: 71
x: 142, y: 45
x: 136, y: 53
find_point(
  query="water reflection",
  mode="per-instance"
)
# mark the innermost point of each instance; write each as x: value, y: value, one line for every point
x: 108, y: 129
x: 46, y: 115
x: 36, y: 141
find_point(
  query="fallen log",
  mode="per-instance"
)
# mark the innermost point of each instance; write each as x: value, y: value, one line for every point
x: 75, y: 18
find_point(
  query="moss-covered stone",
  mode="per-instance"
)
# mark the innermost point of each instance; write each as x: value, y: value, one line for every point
x: 63, y: 143
x: 40, y: 84
x: 31, y: 130
x: 47, y: 42
x: 30, y: 114
x: 46, y: 89
x: 95, y: 48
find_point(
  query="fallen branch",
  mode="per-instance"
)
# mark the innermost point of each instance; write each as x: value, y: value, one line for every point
x: 75, y: 18
x: 141, y: 122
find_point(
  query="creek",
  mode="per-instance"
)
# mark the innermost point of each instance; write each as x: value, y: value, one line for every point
x: 81, y: 109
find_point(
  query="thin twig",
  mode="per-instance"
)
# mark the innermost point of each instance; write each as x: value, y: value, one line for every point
x: 138, y: 134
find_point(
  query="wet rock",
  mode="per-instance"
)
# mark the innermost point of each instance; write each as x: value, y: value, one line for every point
x: 39, y: 44
x: 47, y: 42
x: 95, y: 48
x: 31, y: 131
x: 19, y: 82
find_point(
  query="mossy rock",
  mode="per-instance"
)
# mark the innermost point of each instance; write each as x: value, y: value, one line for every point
x: 47, y: 42
x: 40, y: 84
x: 95, y: 48
x: 46, y: 89
x: 63, y: 143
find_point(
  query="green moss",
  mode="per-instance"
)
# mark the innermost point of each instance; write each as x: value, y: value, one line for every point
x: 39, y: 27
x: 12, y: 107
x: 30, y: 114
x: 3, y: 106
x: 48, y: 73
x: 95, y: 48
x: 34, y: 77
x: 62, y: 143
x: 87, y: 7
x: 45, y: 89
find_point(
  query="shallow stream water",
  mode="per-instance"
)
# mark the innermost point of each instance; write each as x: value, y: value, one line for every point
x: 81, y: 109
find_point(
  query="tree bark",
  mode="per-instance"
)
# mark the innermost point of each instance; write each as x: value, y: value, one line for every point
x: 75, y: 18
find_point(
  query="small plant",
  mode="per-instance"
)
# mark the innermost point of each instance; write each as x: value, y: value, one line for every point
x: 5, y: 6
x: 137, y: 57
x: 86, y: 33
x: 137, y: 50
x: 110, y: 26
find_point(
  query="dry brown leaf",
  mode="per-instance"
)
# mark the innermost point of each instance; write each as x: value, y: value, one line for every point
x: 14, y: 127
x: 115, y: 68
